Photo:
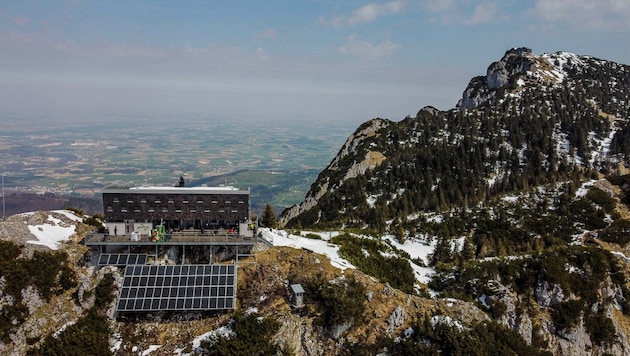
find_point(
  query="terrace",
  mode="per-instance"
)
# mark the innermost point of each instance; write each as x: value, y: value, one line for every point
x: 183, y: 238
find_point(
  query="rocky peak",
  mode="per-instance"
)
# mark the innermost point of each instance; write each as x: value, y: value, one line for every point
x: 515, y: 61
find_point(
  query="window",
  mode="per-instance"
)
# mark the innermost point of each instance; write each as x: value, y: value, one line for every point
x: 158, y: 201
x: 116, y: 200
x: 143, y: 200
x: 185, y: 201
x: 193, y: 210
x: 165, y: 210
x: 152, y: 210
x: 214, y: 202
x: 110, y: 209
x: 123, y: 210
x: 170, y: 201
x: 199, y: 201
x: 241, y: 202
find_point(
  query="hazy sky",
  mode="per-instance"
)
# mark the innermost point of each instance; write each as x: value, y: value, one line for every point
x: 333, y: 61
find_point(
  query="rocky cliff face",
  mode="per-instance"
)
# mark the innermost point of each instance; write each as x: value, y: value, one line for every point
x: 357, y: 141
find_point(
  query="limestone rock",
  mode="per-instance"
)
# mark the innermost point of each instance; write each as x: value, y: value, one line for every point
x: 396, y: 319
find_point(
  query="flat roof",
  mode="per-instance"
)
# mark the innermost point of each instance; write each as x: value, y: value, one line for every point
x: 175, y: 190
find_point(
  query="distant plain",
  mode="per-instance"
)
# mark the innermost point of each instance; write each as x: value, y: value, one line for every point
x: 277, y: 160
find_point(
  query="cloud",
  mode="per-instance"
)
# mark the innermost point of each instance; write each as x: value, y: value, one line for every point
x: 335, y: 22
x: 261, y: 54
x: 370, y: 12
x: 356, y: 47
x: 124, y: 50
x: 20, y: 21
x: 483, y: 13
x: 268, y: 33
x: 439, y: 5
x: 585, y: 13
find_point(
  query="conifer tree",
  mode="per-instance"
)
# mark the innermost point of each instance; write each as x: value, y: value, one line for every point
x: 269, y: 217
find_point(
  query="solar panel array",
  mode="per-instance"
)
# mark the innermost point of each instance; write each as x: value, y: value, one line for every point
x: 124, y: 259
x: 178, y: 288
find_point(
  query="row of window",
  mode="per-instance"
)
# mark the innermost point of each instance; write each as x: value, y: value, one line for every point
x: 171, y: 201
x: 166, y: 210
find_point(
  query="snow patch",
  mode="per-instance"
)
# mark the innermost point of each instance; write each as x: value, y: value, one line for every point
x: 52, y: 233
x: 281, y: 238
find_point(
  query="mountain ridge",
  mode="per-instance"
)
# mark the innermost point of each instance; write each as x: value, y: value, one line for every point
x: 519, y: 203
x: 539, y: 113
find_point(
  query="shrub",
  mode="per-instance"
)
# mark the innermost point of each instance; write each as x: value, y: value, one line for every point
x: 483, y: 338
x: 104, y: 293
x: 253, y: 337
x: 566, y: 315
x: 76, y: 211
x: 313, y: 236
x: 88, y: 336
x: 365, y: 254
x: 618, y: 232
x: 341, y: 303
x: 601, y: 329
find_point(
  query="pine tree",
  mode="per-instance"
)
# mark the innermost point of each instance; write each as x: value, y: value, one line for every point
x: 269, y: 217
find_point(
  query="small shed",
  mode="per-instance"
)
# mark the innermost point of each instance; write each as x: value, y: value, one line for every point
x: 297, y: 295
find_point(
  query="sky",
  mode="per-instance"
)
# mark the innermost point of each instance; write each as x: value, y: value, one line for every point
x: 310, y: 60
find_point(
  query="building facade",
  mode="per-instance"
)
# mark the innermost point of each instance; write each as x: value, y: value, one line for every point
x: 177, y: 208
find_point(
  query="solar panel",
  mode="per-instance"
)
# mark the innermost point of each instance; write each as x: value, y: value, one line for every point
x: 177, y: 288
x: 121, y: 259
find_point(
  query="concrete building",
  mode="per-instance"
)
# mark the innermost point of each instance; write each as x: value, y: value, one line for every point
x: 140, y: 209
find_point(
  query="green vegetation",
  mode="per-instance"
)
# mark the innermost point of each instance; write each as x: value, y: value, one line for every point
x: 370, y: 256
x: 96, y: 221
x: 581, y: 272
x: 47, y: 272
x: 268, y: 218
x: 441, y: 338
x: 340, y: 302
x: 252, y: 336
x: 456, y: 159
x: 90, y: 334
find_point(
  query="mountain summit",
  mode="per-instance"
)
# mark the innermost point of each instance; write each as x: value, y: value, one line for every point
x: 532, y: 119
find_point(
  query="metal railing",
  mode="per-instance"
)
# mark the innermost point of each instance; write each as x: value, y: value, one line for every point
x: 175, y: 238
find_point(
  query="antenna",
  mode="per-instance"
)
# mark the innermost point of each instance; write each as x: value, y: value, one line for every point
x: 4, y: 215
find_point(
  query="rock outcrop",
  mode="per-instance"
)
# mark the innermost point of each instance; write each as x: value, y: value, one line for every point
x: 353, y: 145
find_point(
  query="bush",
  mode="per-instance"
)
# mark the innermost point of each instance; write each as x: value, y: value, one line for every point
x: 601, y: 198
x: 104, y: 293
x: 394, y: 270
x: 344, y: 303
x: 601, y: 329
x: 313, y: 236
x: 47, y: 272
x: 76, y: 211
x: 483, y: 338
x: 88, y: 336
x: 618, y: 233
x: 253, y: 337
x: 566, y: 315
